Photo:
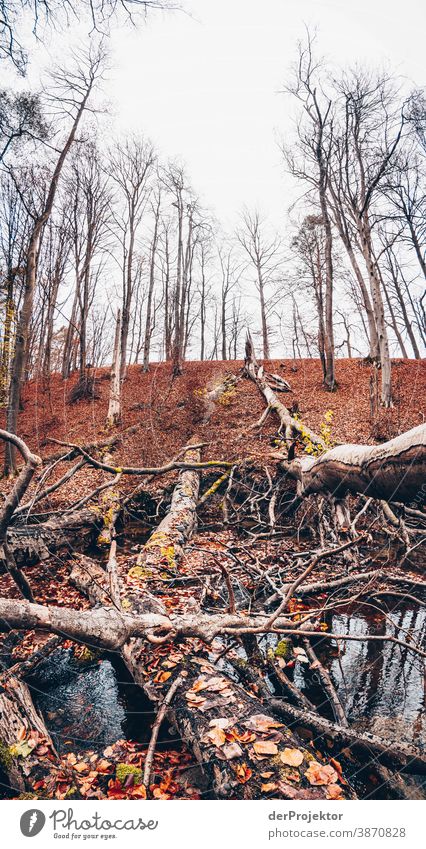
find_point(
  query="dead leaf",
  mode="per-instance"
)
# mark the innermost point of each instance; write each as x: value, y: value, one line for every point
x: 321, y: 774
x: 81, y: 767
x: 268, y: 788
x: 221, y: 722
x: 216, y: 737
x: 162, y: 677
x: 194, y: 699
x: 334, y: 792
x: 338, y: 767
x: 243, y: 773
x: 231, y: 750
x: 292, y: 757
x: 261, y: 722
x: 242, y: 737
x: 265, y: 747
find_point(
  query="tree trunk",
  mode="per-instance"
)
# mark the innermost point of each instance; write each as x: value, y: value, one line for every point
x: 392, y: 471
x: 114, y: 407
x: 148, y: 322
x: 21, y: 347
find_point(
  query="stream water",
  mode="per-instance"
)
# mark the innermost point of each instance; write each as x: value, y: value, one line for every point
x: 89, y: 705
x: 381, y: 685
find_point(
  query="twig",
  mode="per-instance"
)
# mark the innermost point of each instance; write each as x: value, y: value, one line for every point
x: 156, y: 728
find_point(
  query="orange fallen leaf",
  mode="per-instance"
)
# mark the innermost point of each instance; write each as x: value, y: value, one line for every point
x: 334, y: 792
x: 243, y: 773
x: 338, y: 767
x: 215, y: 736
x: 321, y: 774
x: 81, y: 767
x: 265, y: 747
x: 162, y: 677
x: 292, y: 757
x: 268, y: 788
x: 138, y: 791
x: 242, y: 737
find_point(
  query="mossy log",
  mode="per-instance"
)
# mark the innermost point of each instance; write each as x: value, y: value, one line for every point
x: 25, y: 742
x: 31, y: 543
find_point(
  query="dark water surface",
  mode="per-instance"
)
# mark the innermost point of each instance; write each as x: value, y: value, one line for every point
x: 379, y: 683
x: 89, y: 705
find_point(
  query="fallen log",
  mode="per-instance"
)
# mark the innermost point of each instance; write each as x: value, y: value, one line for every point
x: 24, y: 738
x: 409, y: 758
x: 293, y: 428
x: 60, y: 535
x: 235, y: 739
x: 392, y: 470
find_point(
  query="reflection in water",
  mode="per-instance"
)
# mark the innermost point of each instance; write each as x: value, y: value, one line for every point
x: 377, y: 679
x: 89, y: 705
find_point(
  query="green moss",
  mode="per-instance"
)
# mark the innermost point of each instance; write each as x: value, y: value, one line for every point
x: 72, y: 792
x: 284, y: 649
x: 28, y: 796
x: 123, y: 770
x: 86, y: 655
x: 6, y: 758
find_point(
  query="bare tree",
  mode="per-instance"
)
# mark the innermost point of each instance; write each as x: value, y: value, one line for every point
x: 365, y: 148
x: 73, y: 89
x: 309, y: 245
x: 89, y: 219
x: 131, y: 165
x: 14, y: 224
x: 230, y: 273
x: 311, y: 164
x: 98, y: 13
x: 150, y: 294
x: 265, y: 256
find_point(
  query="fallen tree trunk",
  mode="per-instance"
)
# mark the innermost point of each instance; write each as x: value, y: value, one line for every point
x: 293, y: 428
x: 59, y: 535
x: 393, y: 470
x: 408, y: 758
x: 24, y: 739
x: 235, y: 739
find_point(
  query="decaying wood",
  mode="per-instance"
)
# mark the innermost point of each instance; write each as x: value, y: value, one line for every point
x: 19, y: 719
x: 392, y: 471
x: 292, y: 428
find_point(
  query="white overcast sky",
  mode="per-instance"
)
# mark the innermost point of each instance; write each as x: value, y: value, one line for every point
x: 206, y: 87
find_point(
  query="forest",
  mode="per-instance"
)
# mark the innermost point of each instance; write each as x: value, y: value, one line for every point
x: 212, y: 499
